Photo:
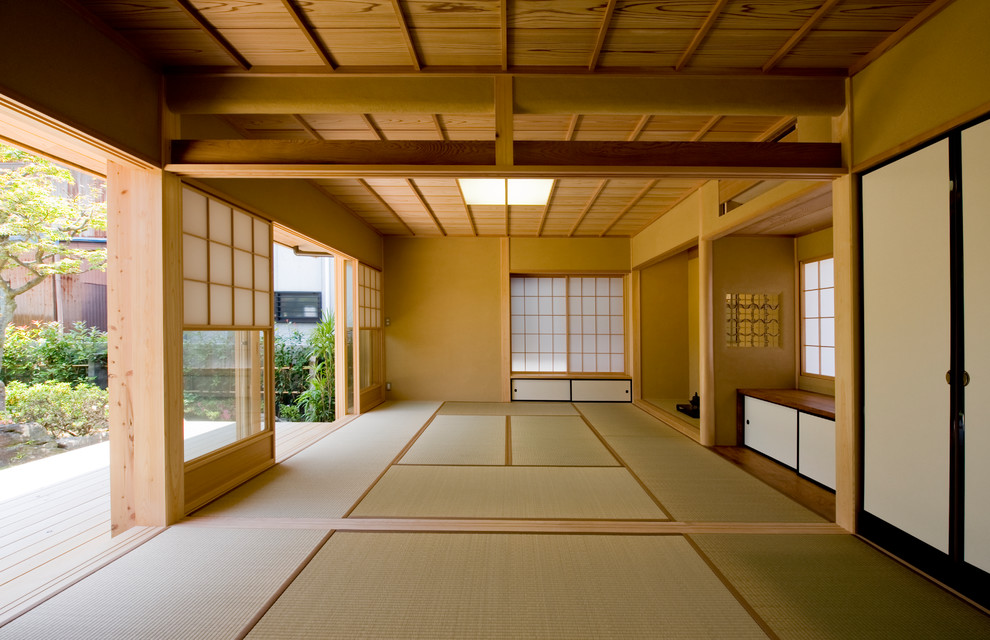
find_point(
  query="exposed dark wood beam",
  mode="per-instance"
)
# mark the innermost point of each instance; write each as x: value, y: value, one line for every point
x: 213, y: 33
x: 681, y: 154
x: 374, y: 194
x: 799, y: 35
x: 406, y: 35
x: 478, y: 153
x: 638, y: 129
x: 602, y: 34
x: 923, y: 16
x: 441, y: 132
x: 639, y: 196
x: 426, y: 205
x: 699, y: 35
x: 299, y: 16
x: 705, y: 129
x: 546, y: 207
x: 587, y: 207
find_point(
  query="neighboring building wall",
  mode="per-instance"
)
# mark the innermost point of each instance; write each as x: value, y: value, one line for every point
x: 308, y: 274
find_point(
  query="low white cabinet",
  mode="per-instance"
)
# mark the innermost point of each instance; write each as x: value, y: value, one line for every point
x: 781, y: 428
x: 771, y: 429
x: 572, y: 390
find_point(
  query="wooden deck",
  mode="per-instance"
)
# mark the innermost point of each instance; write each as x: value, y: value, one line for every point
x: 52, y: 537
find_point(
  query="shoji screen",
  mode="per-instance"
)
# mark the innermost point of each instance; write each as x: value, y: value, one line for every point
x: 906, y: 322
x: 976, y: 241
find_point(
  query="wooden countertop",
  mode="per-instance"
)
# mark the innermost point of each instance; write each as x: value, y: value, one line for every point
x: 814, y: 403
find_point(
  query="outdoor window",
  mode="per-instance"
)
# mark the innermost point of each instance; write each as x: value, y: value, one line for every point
x: 567, y: 324
x: 223, y: 388
x: 298, y: 306
x: 818, y: 318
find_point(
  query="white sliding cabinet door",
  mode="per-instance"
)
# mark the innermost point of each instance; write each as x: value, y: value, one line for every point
x: 906, y: 344
x: 976, y: 250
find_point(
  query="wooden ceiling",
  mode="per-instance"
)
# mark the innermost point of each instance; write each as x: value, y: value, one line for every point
x: 467, y: 38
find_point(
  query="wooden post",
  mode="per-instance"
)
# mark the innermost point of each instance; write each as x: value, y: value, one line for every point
x: 144, y: 314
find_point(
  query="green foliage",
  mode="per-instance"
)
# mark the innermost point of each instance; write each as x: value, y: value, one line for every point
x: 41, y: 352
x: 291, y: 355
x: 60, y: 407
x: 317, y: 402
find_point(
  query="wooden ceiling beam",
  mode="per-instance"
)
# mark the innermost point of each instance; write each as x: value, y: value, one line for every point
x: 572, y: 127
x: 467, y: 209
x: 406, y: 35
x: 779, y: 128
x: 699, y: 35
x: 504, y: 121
x: 213, y: 33
x: 426, y: 205
x: 299, y: 17
x: 922, y: 17
x: 374, y: 194
x: 600, y: 155
x: 441, y: 132
x: 589, y: 94
x: 602, y: 34
x: 587, y: 207
x: 546, y: 207
x: 313, y: 133
x: 799, y: 35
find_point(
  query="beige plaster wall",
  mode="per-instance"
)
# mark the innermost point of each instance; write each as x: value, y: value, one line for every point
x: 751, y: 265
x: 53, y: 60
x: 536, y: 255
x: 933, y: 79
x: 442, y: 299
x: 665, y: 346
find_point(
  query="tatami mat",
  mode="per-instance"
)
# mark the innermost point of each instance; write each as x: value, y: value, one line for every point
x: 837, y: 587
x: 624, y: 419
x: 507, y: 409
x: 557, y: 440
x: 506, y: 586
x: 697, y: 485
x: 326, y: 479
x: 693, y: 483
x: 185, y: 583
x: 508, y: 492
x: 472, y: 440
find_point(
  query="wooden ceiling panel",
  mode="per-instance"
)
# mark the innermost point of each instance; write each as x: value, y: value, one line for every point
x: 552, y: 47
x: 836, y: 49
x: 452, y: 47
x: 179, y: 47
x: 645, y: 47
x: 275, y: 47
x: 244, y: 14
x: 463, y: 14
x: 552, y: 14
x: 661, y: 14
x: 140, y: 14
x: 366, y: 47
x: 870, y: 15
x: 349, y: 14
x: 525, y: 220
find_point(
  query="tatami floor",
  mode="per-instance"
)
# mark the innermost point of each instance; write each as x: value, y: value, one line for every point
x: 523, y: 520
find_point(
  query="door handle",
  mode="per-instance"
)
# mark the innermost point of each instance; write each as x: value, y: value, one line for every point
x: 965, y: 378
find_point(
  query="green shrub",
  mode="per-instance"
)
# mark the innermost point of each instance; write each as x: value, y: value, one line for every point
x: 291, y: 374
x: 317, y: 402
x: 42, y: 351
x: 60, y: 407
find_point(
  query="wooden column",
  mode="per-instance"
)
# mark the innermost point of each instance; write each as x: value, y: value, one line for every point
x: 706, y: 334
x: 144, y: 316
x: 505, y: 336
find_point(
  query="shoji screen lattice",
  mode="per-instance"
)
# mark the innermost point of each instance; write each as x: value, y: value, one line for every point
x: 226, y: 256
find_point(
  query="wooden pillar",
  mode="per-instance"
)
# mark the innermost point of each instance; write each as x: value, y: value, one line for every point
x: 505, y: 335
x: 706, y: 314
x: 144, y: 291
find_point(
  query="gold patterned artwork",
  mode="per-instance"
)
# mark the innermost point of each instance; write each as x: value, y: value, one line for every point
x: 752, y: 320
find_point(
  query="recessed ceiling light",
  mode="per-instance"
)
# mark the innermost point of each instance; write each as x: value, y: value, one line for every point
x: 492, y: 191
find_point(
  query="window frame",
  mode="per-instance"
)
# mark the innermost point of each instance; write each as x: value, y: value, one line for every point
x: 802, y: 317
x: 279, y: 317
